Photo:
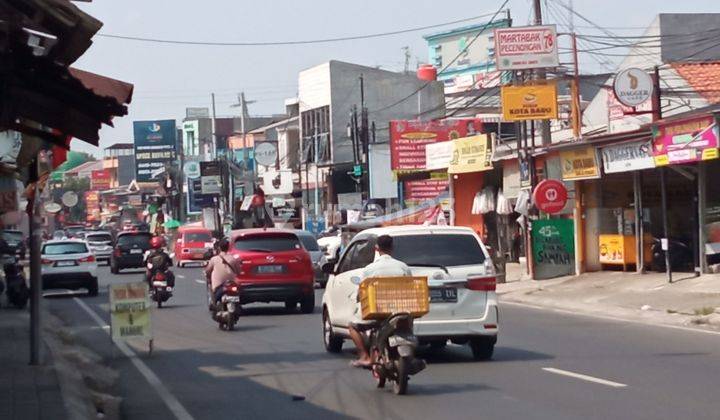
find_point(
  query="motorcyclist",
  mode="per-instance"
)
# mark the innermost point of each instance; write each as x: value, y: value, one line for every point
x: 220, y: 268
x: 157, y: 260
x: 383, y: 266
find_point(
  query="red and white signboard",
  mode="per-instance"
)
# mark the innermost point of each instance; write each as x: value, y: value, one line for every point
x: 100, y: 180
x: 550, y: 196
x: 527, y: 47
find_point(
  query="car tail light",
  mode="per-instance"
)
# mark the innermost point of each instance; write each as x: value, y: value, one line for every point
x: 232, y: 289
x: 45, y: 261
x: 482, y: 284
x: 88, y: 259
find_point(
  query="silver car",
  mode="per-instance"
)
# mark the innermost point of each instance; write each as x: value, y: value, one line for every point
x: 316, y: 254
x: 100, y: 244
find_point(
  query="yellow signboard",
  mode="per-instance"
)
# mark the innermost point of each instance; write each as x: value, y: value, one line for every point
x: 130, y: 311
x: 580, y: 164
x: 529, y: 102
x: 471, y: 154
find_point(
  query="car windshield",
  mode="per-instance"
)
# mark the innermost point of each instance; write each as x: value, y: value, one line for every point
x: 64, y: 248
x: 98, y: 237
x: 12, y: 235
x: 130, y: 240
x: 272, y: 243
x: 445, y: 250
x: 309, y: 243
x: 198, y: 237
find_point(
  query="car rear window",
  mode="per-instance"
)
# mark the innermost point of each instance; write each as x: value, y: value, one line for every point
x: 272, y: 243
x: 98, y: 237
x: 446, y: 250
x: 130, y: 240
x: 309, y: 243
x: 64, y: 248
x: 198, y: 237
x: 12, y: 235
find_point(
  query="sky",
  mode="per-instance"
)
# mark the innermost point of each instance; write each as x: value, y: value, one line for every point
x: 169, y: 78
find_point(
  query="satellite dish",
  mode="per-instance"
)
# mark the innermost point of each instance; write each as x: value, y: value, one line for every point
x: 52, y: 207
x: 70, y: 199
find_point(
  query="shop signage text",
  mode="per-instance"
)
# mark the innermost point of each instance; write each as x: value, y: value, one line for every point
x: 553, y: 248
x: 210, y: 179
x: 550, y: 196
x: 129, y: 311
x: 471, y: 154
x: 100, y: 179
x: 529, y: 102
x: 580, y: 164
x: 154, y: 148
x: 632, y: 87
x: 686, y: 141
x: 627, y: 157
x: 527, y: 47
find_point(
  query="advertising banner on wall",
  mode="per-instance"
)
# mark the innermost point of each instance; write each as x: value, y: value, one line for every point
x: 627, y: 157
x: 529, y: 102
x: 92, y: 206
x: 100, y: 180
x: 154, y: 148
x: 527, y: 47
x: 686, y: 141
x: 553, y: 248
x: 580, y: 164
x: 471, y: 154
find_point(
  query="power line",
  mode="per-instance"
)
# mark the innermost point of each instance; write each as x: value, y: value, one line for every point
x: 288, y: 42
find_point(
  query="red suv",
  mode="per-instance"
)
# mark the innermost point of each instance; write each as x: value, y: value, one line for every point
x: 273, y: 267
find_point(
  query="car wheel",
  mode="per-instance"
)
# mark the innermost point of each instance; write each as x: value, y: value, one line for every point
x: 307, y: 304
x: 93, y: 288
x: 332, y: 342
x: 482, y: 348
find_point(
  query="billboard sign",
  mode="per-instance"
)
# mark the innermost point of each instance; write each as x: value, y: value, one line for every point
x: 154, y: 147
x: 580, y: 164
x: 196, y: 200
x: 210, y: 177
x: 438, y: 155
x: 527, y: 47
x: 627, y: 157
x: 686, y: 141
x: 92, y: 206
x: 471, y: 154
x: 100, y: 180
x: 530, y: 102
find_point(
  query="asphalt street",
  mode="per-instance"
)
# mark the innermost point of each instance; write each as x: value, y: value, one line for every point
x: 547, y: 365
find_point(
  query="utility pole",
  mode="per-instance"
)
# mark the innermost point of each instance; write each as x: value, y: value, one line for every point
x: 545, y: 124
x: 213, y: 152
x: 35, y: 267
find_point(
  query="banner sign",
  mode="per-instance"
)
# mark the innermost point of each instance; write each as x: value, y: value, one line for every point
x: 529, y: 102
x: 471, y: 154
x: 196, y: 200
x: 526, y: 47
x: 416, y: 192
x: 685, y: 141
x: 409, y: 138
x: 210, y: 177
x: 100, y: 179
x: 553, y: 248
x: 627, y: 157
x: 580, y: 164
x: 154, y: 148
x: 438, y: 155
x: 129, y: 311
x: 92, y: 206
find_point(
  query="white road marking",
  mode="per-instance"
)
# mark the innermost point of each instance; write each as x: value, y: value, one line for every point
x: 198, y: 281
x: 609, y: 318
x: 180, y: 276
x: 584, y: 377
x: 169, y: 399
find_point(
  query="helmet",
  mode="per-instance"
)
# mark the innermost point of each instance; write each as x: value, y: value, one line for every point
x: 157, y: 242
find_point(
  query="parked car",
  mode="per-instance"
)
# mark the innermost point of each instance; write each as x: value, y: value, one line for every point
x: 129, y: 250
x: 192, y: 245
x: 69, y: 264
x: 273, y: 267
x: 15, y: 240
x: 316, y: 255
x: 100, y: 244
x: 330, y: 245
x: 461, y: 277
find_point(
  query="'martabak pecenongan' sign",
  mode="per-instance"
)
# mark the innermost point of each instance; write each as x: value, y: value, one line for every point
x: 527, y: 47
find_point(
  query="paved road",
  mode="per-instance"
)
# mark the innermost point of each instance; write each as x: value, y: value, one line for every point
x: 548, y: 365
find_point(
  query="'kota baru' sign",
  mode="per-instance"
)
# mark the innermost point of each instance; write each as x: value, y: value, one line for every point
x: 529, y: 102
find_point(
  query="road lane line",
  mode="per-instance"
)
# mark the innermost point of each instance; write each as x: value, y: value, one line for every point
x: 606, y: 317
x: 180, y: 276
x: 584, y: 377
x: 198, y: 281
x: 168, y: 398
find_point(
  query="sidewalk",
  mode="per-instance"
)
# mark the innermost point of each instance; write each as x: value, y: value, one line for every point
x: 26, y: 392
x: 688, y: 301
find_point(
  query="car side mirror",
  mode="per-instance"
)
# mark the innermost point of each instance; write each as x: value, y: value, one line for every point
x: 328, y: 268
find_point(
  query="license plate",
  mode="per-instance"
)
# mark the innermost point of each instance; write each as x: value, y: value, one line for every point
x: 136, y: 251
x: 270, y: 269
x: 232, y: 298
x: 65, y: 263
x: 444, y: 294
x: 160, y: 283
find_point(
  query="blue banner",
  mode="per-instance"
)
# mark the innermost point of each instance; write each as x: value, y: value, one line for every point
x: 155, y: 143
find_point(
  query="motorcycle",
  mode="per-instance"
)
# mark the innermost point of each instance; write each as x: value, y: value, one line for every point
x: 392, y: 348
x: 160, y: 291
x: 226, y: 312
x: 17, y: 291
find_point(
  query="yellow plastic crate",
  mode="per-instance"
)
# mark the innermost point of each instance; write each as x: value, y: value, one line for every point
x: 381, y: 297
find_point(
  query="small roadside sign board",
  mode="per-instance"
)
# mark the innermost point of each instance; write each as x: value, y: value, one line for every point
x: 527, y: 47
x: 130, y: 311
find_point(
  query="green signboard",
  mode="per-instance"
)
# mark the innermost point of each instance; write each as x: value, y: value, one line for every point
x: 553, y: 248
